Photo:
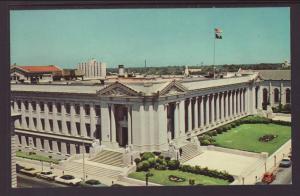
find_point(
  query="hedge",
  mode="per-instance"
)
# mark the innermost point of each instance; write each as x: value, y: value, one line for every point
x: 207, y: 172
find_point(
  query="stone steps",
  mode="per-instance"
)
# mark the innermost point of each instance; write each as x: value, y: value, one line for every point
x: 109, y: 158
x: 91, y: 170
x: 189, y: 151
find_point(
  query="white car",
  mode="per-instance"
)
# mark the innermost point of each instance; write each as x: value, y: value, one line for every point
x: 67, y: 179
x: 48, y: 175
x: 29, y: 171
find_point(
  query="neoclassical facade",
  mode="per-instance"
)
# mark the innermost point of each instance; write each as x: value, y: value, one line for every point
x: 145, y: 116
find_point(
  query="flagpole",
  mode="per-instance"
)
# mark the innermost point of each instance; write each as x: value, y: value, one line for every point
x: 214, y: 55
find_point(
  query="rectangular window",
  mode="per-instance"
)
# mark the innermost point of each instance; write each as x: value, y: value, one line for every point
x: 59, y: 146
x: 33, y: 104
x: 43, y: 144
x: 49, y: 106
x: 59, y: 126
x: 69, y: 127
x: 58, y: 107
x: 27, y: 140
x: 19, y: 104
x: 27, y: 121
x: 51, y: 124
x: 42, y: 106
x: 98, y: 132
x: 87, y: 109
x: 78, y: 128
x: 68, y: 108
x: 50, y: 145
x: 88, y: 129
x: 35, y: 122
x: 77, y: 108
x: 97, y: 110
x: 43, y: 123
x: 34, y: 142
x: 26, y: 105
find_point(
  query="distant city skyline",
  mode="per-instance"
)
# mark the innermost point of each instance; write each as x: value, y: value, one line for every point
x: 164, y: 37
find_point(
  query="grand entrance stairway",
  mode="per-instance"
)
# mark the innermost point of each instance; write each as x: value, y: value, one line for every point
x: 76, y: 167
x: 189, y: 151
x: 109, y: 158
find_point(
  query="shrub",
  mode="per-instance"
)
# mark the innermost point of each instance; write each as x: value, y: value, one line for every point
x: 219, y: 130
x: 214, y: 133
x: 205, y: 142
x: 161, y: 157
x: 233, y: 125
x: 191, y: 182
x: 173, y: 164
x: 151, y: 162
x: 160, y: 166
x: 159, y: 161
x: 167, y: 159
x: 143, y: 166
x: 137, y: 160
x: 147, y: 155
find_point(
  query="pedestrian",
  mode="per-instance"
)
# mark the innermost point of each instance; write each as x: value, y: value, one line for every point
x: 180, y: 151
x: 63, y: 172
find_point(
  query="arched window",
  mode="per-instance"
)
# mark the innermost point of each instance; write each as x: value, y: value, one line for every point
x: 288, y: 95
x: 276, y: 95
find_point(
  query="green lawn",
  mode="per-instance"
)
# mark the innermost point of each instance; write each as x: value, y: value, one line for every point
x: 161, y: 177
x: 245, y: 137
x: 36, y: 157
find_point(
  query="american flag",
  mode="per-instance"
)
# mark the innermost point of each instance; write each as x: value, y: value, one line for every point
x: 218, y: 32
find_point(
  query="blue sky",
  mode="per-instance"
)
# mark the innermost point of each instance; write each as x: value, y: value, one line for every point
x: 162, y: 36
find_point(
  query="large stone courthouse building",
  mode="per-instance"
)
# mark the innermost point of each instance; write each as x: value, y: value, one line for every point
x: 141, y: 114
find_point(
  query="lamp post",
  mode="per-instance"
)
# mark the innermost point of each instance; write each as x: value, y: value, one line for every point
x: 83, y: 159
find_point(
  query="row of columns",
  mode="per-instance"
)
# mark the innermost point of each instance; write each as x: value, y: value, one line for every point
x: 206, y: 110
x: 41, y: 122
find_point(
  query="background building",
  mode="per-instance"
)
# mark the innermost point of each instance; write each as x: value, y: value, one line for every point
x: 93, y: 69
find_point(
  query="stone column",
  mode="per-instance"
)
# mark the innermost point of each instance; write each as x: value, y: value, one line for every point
x: 260, y: 98
x: 46, y: 145
x: 46, y: 115
x: 113, y: 123
x: 246, y: 101
x: 176, y: 121
x: 82, y: 121
x: 63, y: 119
x: 73, y: 121
x: 38, y: 117
x: 63, y: 148
x: 23, y: 118
x: 54, y: 117
x: 72, y: 149
x: 55, y: 146
x: 129, y: 121
x: 201, y: 112
x: 207, y: 111
x: 227, y: 105
x: 217, y: 107
x: 92, y: 120
x: 213, y: 109
x: 190, y: 116
x: 181, y: 120
x: 105, y: 124
x: 39, y: 144
x: 271, y: 97
x: 196, y: 117
x: 221, y: 94
x: 234, y: 103
x: 31, y: 124
x: 242, y: 102
x: 238, y: 102
x: 150, y: 132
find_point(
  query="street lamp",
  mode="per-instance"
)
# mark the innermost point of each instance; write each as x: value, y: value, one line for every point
x: 42, y: 165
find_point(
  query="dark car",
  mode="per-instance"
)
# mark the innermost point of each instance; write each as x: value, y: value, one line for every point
x: 286, y: 162
x: 92, y: 183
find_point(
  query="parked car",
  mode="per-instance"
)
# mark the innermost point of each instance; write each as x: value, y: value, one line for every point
x: 92, y: 183
x: 29, y: 171
x: 268, y: 177
x: 285, y: 162
x: 47, y: 175
x: 67, y: 179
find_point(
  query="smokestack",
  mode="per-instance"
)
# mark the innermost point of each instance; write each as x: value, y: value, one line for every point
x: 121, y: 71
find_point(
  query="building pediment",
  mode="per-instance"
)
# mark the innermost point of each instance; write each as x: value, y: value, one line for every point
x: 173, y: 88
x: 117, y: 89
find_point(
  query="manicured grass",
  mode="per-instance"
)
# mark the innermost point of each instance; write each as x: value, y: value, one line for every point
x: 161, y: 177
x: 36, y: 157
x: 245, y: 137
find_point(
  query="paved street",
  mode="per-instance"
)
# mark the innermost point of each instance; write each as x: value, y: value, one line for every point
x: 284, y: 176
x: 33, y: 182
